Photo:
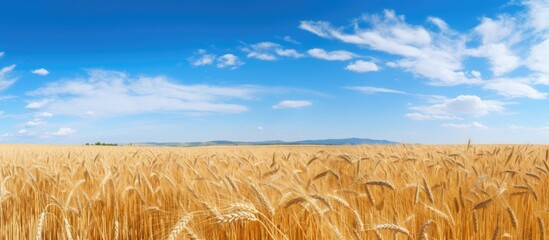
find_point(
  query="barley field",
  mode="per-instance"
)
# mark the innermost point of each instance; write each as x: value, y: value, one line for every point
x: 274, y: 192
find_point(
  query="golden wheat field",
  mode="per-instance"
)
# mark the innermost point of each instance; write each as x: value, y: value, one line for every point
x: 274, y: 192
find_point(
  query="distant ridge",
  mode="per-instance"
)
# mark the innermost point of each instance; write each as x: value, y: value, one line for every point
x: 343, y: 141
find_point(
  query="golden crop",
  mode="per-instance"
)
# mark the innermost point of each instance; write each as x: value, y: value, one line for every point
x: 274, y: 192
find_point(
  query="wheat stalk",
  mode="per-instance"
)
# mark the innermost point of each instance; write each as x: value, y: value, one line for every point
x: 67, y: 229
x: 428, y: 191
x: 541, y: 229
x: 512, y: 217
x: 496, y: 233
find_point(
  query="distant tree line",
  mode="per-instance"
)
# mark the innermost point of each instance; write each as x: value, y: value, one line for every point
x: 102, y: 144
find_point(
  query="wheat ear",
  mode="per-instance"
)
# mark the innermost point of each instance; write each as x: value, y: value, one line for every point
x: 182, y: 224
x: 394, y: 228
x: 40, y: 226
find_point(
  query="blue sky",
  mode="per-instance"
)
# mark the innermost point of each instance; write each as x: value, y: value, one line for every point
x: 410, y: 71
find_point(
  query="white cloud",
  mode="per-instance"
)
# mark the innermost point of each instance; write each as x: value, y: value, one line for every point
x: 538, y: 60
x: 41, y: 72
x: 111, y: 93
x: 38, y: 104
x: 372, y: 90
x: 476, y: 74
x: 331, y: 56
x: 434, y: 56
x: 6, y: 81
x: 1, y: 54
x: 229, y: 61
x: 530, y: 129
x: 260, y: 128
x: 422, y: 116
x: 291, y: 40
x: 538, y: 10
x: 64, y: 131
x: 362, y: 67
x: 470, y: 105
x: 262, y: 51
x: 441, y: 24
x: 513, y: 88
x: 473, y: 125
x: 44, y: 115
x: 498, y: 37
x: 292, y: 104
x: 289, y: 53
x: 268, y: 51
x: 1, y: 113
x: 35, y: 122
x: 23, y: 131
x: 202, y: 58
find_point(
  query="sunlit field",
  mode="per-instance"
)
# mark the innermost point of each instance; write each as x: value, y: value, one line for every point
x: 274, y: 192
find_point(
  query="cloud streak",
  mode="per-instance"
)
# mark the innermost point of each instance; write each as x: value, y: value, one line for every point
x: 373, y: 90
x: 506, y: 42
x: 339, y: 55
x: 111, y: 93
x: 5, y: 80
x: 292, y: 104
x: 473, y: 125
x: 453, y: 108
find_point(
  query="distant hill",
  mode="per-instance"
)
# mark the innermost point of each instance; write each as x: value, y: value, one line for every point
x: 344, y: 141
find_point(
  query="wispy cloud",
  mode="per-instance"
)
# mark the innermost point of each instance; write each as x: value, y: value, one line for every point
x: 473, y: 125
x: 35, y: 122
x: 64, y: 131
x: 463, y: 105
x: 339, y: 55
x: 530, y: 129
x: 44, y: 115
x: 270, y: 51
x: 507, y: 42
x: 424, y: 116
x: 291, y: 40
x: 41, y: 72
x: 111, y: 93
x: 498, y: 36
x: 289, y: 53
x: 229, y: 61
x: 434, y: 56
x: 262, y: 51
x: 361, y: 66
x: 38, y: 104
x: 202, y: 58
x: 514, y: 88
x: 441, y: 24
x: 372, y: 90
x: 292, y: 104
x: 5, y: 80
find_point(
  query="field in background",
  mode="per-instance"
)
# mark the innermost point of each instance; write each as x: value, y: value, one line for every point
x: 274, y: 192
